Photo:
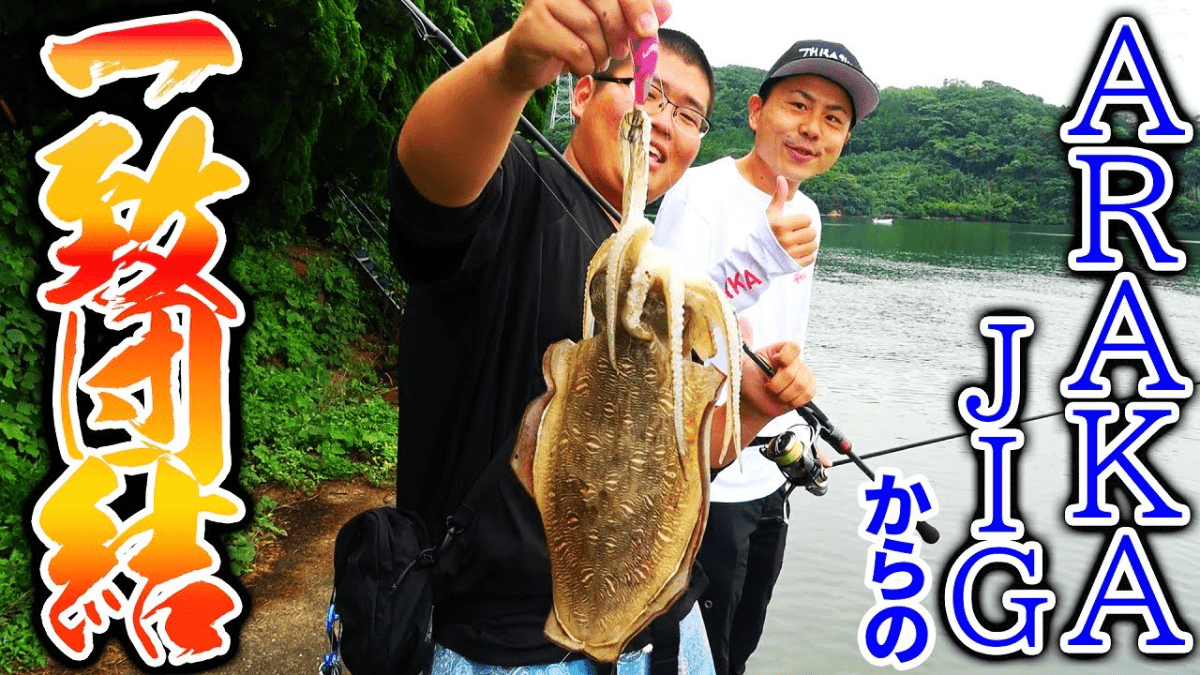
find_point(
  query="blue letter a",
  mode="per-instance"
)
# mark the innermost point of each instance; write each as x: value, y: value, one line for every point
x: 1126, y: 559
x: 1126, y: 306
x: 1126, y: 48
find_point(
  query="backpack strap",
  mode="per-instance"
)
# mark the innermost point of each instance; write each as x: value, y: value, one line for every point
x: 331, y: 660
x: 664, y: 658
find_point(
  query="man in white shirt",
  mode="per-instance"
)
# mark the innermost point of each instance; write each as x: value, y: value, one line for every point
x: 745, y: 224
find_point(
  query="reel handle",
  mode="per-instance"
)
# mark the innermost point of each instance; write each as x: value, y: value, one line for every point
x: 928, y: 533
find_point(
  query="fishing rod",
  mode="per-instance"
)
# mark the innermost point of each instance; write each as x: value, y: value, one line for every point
x: 830, y: 434
x: 428, y: 29
x: 838, y: 440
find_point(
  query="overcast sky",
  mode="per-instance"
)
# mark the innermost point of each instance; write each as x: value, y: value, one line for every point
x: 1040, y: 47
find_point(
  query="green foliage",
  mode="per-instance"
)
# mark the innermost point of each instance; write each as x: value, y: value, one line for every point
x: 18, y: 644
x: 560, y: 134
x: 851, y: 193
x: 244, y: 544
x: 1184, y: 214
x: 988, y: 153
x: 730, y: 134
x: 357, y: 225
x: 310, y: 400
x: 23, y: 450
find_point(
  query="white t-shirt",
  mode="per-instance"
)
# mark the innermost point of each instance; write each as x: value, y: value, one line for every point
x: 716, y: 223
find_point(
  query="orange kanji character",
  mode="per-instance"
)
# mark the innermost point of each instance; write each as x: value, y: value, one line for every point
x: 204, y: 446
x: 174, y: 556
x: 79, y: 566
x: 207, y: 451
x: 74, y: 198
x: 195, y: 618
x: 143, y: 361
x: 182, y: 49
x: 171, y: 201
x: 165, y: 241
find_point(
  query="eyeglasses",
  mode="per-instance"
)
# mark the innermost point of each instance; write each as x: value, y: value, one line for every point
x: 687, y: 120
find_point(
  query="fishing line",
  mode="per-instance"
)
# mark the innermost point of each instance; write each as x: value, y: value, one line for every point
x: 426, y: 29
x: 546, y: 145
x: 939, y: 439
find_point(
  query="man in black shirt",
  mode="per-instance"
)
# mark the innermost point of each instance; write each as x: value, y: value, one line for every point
x: 494, y: 241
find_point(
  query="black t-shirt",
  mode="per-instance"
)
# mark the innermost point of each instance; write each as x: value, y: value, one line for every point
x: 491, y: 286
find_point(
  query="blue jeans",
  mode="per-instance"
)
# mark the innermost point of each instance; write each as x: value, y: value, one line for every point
x: 694, y: 658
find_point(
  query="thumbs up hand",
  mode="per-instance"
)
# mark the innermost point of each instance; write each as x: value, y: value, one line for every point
x: 795, y: 233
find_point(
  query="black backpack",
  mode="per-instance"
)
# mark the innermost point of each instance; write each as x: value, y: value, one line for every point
x: 383, y: 566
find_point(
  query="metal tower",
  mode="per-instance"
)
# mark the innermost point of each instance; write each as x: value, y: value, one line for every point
x: 560, y: 107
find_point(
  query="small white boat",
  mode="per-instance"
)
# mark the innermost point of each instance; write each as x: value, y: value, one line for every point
x: 882, y: 221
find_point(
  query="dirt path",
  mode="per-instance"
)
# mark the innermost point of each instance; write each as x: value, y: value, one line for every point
x: 290, y: 587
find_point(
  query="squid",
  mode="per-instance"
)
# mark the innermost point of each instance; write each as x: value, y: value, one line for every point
x: 616, y: 452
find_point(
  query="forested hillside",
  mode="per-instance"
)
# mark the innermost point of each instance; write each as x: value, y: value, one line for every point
x: 956, y: 151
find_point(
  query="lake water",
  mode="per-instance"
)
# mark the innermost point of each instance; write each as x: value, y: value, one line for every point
x: 893, y: 336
